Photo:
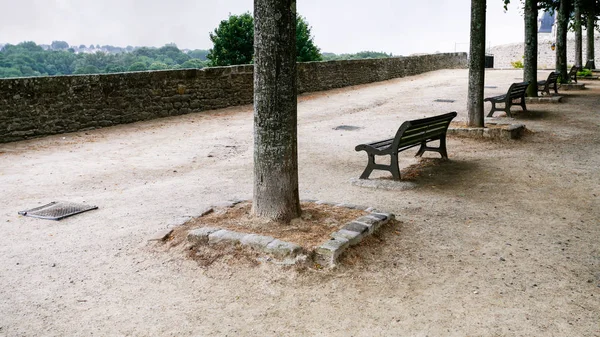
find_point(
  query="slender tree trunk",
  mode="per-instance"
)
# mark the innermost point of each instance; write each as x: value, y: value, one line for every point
x: 561, y: 39
x: 476, y: 64
x: 591, y: 21
x: 531, y: 47
x: 578, y: 34
x: 275, y: 111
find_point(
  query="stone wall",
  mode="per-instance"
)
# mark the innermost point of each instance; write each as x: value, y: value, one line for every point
x: 40, y: 106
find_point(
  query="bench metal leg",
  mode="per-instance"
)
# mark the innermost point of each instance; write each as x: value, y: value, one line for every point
x: 492, y: 110
x: 441, y: 149
x: 394, y: 167
x: 523, y: 105
x: 370, y: 166
x: 507, y: 110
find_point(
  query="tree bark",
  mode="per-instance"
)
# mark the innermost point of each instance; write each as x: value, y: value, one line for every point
x: 476, y: 64
x: 531, y: 47
x: 561, y: 39
x: 578, y: 34
x: 591, y: 21
x: 275, y: 111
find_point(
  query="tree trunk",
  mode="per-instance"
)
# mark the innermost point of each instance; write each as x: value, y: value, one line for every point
x: 591, y: 21
x: 476, y: 64
x: 531, y: 47
x: 561, y: 40
x: 578, y: 34
x: 275, y: 111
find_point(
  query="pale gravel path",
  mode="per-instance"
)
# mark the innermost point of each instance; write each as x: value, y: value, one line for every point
x: 532, y: 202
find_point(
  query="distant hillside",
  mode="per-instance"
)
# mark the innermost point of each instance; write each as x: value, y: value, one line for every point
x: 27, y: 59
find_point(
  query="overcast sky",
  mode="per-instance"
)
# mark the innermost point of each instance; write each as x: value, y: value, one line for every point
x: 401, y: 27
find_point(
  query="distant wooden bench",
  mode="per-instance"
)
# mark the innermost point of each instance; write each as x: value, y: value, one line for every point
x: 410, y: 134
x: 573, y: 73
x: 515, y: 92
x: 544, y: 86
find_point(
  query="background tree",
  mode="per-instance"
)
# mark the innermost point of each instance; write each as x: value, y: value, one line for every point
x: 578, y: 33
x: 276, y: 194
x: 59, y: 45
x: 233, y: 41
x: 476, y: 64
x: 591, y: 10
x: 29, y: 59
x: 355, y: 56
x: 306, y: 50
x: 531, y: 47
x: 562, y: 25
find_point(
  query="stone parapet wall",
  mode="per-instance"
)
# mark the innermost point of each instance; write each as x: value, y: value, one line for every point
x: 41, y: 106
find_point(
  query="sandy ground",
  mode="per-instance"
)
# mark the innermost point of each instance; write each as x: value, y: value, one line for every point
x: 502, y: 240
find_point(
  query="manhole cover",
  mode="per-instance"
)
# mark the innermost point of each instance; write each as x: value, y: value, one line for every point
x: 444, y: 100
x: 346, y: 127
x: 57, y: 210
x: 490, y: 86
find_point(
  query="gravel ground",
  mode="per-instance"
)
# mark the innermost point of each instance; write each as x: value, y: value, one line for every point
x: 501, y: 240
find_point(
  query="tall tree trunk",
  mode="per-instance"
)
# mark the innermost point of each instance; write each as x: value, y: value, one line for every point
x: 476, y: 64
x: 591, y: 21
x: 578, y: 34
x: 531, y: 47
x: 275, y: 111
x: 561, y: 39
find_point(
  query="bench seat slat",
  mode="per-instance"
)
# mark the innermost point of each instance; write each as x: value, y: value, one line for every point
x: 410, y: 134
x: 515, y: 92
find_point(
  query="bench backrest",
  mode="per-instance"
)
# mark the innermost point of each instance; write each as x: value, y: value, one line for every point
x: 573, y: 71
x: 553, y: 77
x: 517, y: 90
x: 418, y: 130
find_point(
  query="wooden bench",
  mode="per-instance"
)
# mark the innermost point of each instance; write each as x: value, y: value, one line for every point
x: 515, y: 92
x: 410, y: 134
x: 551, y: 81
x: 573, y: 73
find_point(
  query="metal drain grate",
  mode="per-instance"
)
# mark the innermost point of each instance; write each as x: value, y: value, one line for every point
x: 347, y: 127
x: 444, y: 100
x: 57, y: 210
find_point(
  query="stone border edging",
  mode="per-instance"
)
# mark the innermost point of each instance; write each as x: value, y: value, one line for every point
x: 505, y: 131
x: 543, y: 100
x: 572, y: 86
x: 327, y: 254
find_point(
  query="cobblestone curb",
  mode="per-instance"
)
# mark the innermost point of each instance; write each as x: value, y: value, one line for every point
x: 572, y: 86
x: 326, y: 255
x: 351, y: 234
x: 543, y: 100
x: 504, y: 131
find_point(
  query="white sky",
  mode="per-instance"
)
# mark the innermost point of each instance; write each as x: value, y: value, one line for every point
x: 401, y: 27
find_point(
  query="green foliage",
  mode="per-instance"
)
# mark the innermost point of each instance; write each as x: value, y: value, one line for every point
x: 517, y: 64
x: 356, y: 56
x: 29, y: 59
x: 59, y: 45
x: 306, y: 50
x: 233, y: 41
x: 158, y: 66
x: 194, y: 64
x: 198, y: 54
x: 584, y: 72
x: 138, y: 66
